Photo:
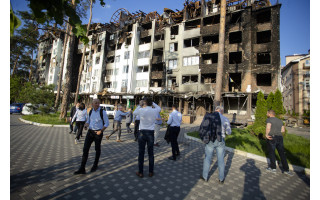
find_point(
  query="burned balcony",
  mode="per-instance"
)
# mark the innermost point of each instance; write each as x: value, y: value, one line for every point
x: 145, y: 40
x: 192, y: 24
x: 235, y: 18
x: 174, y: 30
x: 110, y: 59
x: 208, y: 78
x: 147, y: 26
x: 159, y: 37
x: 209, y: 21
x: 263, y: 37
x: 263, y: 58
x: 128, y: 41
x: 210, y: 39
x: 264, y: 17
x: 156, y: 83
x: 193, y: 42
x: 235, y: 37
x: 157, y: 71
x: 158, y: 41
x: 189, y: 79
x: 157, y: 56
x: 234, y: 82
x: 209, y: 59
x: 264, y: 79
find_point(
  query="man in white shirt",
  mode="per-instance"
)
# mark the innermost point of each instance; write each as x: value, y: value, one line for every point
x: 148, y: 117
x: 136, y: 119
x: 174, y: 122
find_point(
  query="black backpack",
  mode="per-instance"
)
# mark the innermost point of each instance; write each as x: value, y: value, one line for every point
x: 101, y: 114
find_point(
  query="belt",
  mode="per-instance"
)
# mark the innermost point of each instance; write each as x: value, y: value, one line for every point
x: 94, y: 130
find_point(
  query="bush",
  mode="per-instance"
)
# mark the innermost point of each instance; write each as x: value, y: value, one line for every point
x: 277, y: 104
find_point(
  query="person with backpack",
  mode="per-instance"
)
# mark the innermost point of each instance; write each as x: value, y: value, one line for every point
x: 212, y: 132
x: 80, y: 118
x: 97, y: 121
x: 117, y: 123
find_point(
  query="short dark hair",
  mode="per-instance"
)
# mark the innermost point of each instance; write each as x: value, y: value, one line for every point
x: 174, y: 106
x: 272, y: 112
x: 148, y: 101
x: 82, y: 106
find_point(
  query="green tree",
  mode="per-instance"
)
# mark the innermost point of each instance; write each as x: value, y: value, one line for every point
x: 277, y: 104
x: 270, y: 101
x: 259, y: 125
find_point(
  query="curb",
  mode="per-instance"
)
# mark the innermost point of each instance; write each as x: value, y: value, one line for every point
x: 254, y: 157
x: 43, y: 125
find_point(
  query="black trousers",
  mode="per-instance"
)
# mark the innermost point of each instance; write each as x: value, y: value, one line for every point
x: 173, y: 135
x: 91, y: 137
x: 80, y: 125
x: 136, y: 128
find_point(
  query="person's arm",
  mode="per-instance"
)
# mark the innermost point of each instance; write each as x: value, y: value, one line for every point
x: 268, y: 128
x: 86, y: 125
x: 156, y: 107
x: 123, y: 113
x: 169, y: 120
x: 74, y: 117
x: 283, y: 129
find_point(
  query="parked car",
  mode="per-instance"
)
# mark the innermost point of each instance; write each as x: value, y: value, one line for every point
x: 16, y: 107
x: 30, y: 109
x: 109, y: 109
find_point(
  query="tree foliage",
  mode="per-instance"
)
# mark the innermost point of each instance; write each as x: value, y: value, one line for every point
x: 14, y: 22
x: 277, y: 104
x: 259, y: 125
x: 270, y: 101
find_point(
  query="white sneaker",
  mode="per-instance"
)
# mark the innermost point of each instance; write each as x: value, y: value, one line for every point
x: 269, y: 169
x: 76, y: 141
x: 288, y: 173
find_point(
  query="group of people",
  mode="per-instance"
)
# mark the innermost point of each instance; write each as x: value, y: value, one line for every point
x: 147, y: 120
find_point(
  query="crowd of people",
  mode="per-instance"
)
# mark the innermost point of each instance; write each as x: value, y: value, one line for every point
x: 147, y: 123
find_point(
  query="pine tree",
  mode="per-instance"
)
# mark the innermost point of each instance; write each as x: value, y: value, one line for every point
x: 270, y: 101
x: 277, y: 104
x: 260, y: 115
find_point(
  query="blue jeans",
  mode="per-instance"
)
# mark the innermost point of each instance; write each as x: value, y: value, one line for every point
x: 146, y: 137
x: 277, y: 143
x: 220, y: 148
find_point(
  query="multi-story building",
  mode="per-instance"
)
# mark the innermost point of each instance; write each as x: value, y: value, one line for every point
x: 173, y: 56
x: 296, y: 83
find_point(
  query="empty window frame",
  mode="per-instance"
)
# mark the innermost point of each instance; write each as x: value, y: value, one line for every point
x: 128, y: 41
x: 112, y: 47
x: 142, y: 83
x: 144, y: 54
x: 210, y: 58
x: 145, y: 40
x: 117, y: 59
x: 173, y: 64
x: 156, y: 83
x: 141, y: 69
x: 264, y: 17
x: 188, y: 79
x: 263, y: 37
x: 125, y: 69
x: 97, y: 60
x: 127, y: 55
x: 108, y: 84
x: 158, y: 52
x: 234, y: 82
x: 174, y: 30
x: 208, y: 78
x: 109, y: 71
x: 264, y: 79
x: 110, y: 59
x: 193, y: 42
x: 130, y: 28
x: 157, y: 67
x: 208, y: 21
x: 173, y: 47
x: 172, y: 81
x: 99, y: 48
x: 235, y: 57
x: 235, y: 17
x: 210, y: 39
x: 119, y: 45
x: 147, y: 26
x: 235, y: 37
x: 159, y: 37
x: 192, y: 24
x: 190, y: 60
x: 263, y: 58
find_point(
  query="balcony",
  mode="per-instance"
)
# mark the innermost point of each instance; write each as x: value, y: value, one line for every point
x: 157, y: 75
x: 156, y: 59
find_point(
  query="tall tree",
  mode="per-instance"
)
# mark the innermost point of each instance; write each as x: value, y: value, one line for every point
x: 261, y: 111
x: 277, y: 104
x: 270, y: 101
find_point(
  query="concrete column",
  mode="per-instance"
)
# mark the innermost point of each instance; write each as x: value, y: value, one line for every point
x: 249, y: 105
x: 180, y: 105
x: 186, y: 108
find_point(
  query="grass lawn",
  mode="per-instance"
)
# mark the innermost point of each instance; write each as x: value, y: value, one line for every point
x: 297, y: 148
x: 46, y: 119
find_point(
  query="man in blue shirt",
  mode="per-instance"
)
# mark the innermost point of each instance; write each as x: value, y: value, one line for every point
x: 117, y: 123
x: 95, y: 133
x: 174, y: 122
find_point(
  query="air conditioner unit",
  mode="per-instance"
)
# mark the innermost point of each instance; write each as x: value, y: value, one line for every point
x: 172, y: 36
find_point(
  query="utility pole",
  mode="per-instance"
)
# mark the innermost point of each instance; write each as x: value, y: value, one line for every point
x: 222, y: 30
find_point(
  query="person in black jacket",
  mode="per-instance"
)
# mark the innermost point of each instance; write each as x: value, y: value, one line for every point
x: 72, y: 112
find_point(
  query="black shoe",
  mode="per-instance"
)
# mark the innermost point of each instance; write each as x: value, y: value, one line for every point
x: 94, y: 168
x: 70, y: 132
x: 221, y: 182
x: 80, y: 171
x: 178, y: 154
x: 171, y: 158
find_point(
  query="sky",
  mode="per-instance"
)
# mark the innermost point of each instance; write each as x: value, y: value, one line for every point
x: 294, y: 18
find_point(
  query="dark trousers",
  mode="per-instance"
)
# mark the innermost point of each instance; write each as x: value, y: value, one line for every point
x: 277, y: 143
x: 128, y: 127
x: 173, y: 135
x: 71, y: 127
x: 79, y: 125
x: 116, y: 127
x: 136, y: 128
x: 146, y: 137
x: 91, y: 137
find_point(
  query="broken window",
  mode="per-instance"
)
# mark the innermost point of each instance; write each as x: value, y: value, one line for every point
x: 235, y: 18
x: 210, y: 39
x: 263, y: 58
x: 235, y: 37
x: 192, y: 24
x: 142, y: 83
x: 141, y: 69
x: 157, y: 67
x: 117, y: 59
x: 144, y: 54
x: 147, y: 26
x: 263, y: 37
x: 98, y: 60
x: 173, y: 47
x: 208, y: 78
x: 127, y: 55
x: 125, y: 69
x: 234, y: 82
x: 210, y: 58
x: 173, y: 64
x: 264, y: 17
x: 190, y: 60
x: 119, y: 45
x: 108, y: 85
x: 159, y: 37
x: 174, y: 30
x: 189, y: 79
x: 110, y: 59
x: 194, y: 42
x: 128, y: 41
x: 235, y: 57
x: 99, y: 48
x: 264, y: 79
x: 208, y: 21
x: 145, y: 40
x: 112, y: 47
x: 172, y: 82
x: 130, y: 28
x: 156, y: 83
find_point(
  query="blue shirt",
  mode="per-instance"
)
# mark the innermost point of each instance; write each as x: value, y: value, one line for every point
x: 136, y: 116
x: 159, y: 121
x: 118, y: 115
x: 95, y: 121
x: 225, y: 125
x: 175, y: 118
x: 80, y: 116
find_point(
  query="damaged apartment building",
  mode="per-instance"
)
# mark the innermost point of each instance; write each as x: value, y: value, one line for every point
x: 173, y: 57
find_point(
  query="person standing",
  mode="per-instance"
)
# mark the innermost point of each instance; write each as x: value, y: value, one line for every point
x: 148, y: 117
x: 136, y: 119
x: 174, y: 122
x: 157, y: 127
x: 274, y: 130
x: 216, y: 126
x: 129, y: 120
x: 97, y: 121
x: 72, y: 112
x: 117, y: 123
x: 80, y: 118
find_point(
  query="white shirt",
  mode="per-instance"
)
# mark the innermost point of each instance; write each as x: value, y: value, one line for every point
x: 80, y: 115
x: 225, y: 126
x: 148, y: 116
x: 175, y: 118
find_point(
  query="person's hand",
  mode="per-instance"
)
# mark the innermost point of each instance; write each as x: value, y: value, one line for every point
x: 98, y: 132
x: 269, y: 137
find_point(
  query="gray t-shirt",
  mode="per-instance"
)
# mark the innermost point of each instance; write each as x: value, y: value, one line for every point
x: 276, y: 125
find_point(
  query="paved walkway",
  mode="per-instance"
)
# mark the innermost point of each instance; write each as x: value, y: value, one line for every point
x: 43, y: 159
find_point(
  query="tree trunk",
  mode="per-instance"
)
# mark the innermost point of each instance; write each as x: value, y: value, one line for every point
x: 31, y: 62
x: 82, y: 58
x: 217, y: 96
x: 15, y: 64
x: 56, y: 103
